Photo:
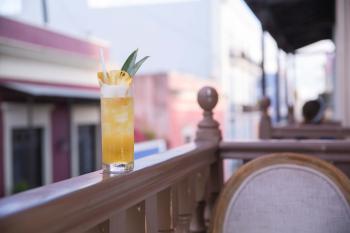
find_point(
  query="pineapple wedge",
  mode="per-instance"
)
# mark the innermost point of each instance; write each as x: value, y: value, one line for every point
x: 123, y: 76
x: 115, y: 77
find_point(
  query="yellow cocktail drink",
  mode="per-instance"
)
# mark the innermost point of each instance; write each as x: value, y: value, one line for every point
x: 117, y: 115
x: 117, y: 133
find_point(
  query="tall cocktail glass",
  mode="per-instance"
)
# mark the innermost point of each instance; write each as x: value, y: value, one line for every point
x: 117, y: 122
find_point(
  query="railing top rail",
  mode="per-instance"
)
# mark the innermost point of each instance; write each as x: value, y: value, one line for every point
x: 91, y: 198
x: 335, y: 150
x: 310, y: 132
x: 312, y: 127
x: 267, y: 130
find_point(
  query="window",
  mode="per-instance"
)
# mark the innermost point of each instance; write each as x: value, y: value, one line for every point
x: 27, y: 158
x: 87, y: 148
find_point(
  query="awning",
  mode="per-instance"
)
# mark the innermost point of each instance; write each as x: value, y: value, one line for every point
x: 12, y: 90
x: 295, y: 23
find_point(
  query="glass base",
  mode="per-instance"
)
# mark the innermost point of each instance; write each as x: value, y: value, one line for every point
x: 116, y: 168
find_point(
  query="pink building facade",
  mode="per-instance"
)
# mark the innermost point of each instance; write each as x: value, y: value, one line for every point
x: 172, y: 110
x: 47, y: 83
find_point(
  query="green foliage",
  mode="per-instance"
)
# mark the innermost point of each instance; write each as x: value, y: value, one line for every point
x: 21, y: 186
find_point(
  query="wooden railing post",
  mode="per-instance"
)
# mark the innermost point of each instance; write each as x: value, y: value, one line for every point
x: 290, y: 116
x: 207, y: 131
x: 265, y: 120
x: 135, y: 219
x: 200, y: 183
x: 215, y: 183
x: 131, y: 220
x: 152, y: 214
x: 164, y: 210
x: 184, y: 194
x: 208, y: 128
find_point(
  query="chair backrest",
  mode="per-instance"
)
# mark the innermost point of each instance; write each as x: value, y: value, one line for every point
x: 284, y: 193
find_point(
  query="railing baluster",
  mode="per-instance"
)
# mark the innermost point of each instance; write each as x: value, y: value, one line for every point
x: 117, y: 222
x: 165, y: 223
x: 100, y: 228
x: 215, y: 183
x: 135, y: 219
x: 197, y: 221
x: 265, y: 119
x: 174, y: 206
x: 208, y: 209
x: 184, y: 206
x: 151, y: 214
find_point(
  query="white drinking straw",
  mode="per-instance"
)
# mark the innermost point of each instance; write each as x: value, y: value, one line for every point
x: 102, y: 61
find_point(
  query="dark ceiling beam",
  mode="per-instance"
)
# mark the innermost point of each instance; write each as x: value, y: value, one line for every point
x: 295, y: 23
x: 272, y: 2
x: 269, y: 23
x: 296, y: 29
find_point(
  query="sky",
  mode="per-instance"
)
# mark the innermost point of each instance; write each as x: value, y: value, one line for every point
x: 120, y: 3
x: 8, y: 7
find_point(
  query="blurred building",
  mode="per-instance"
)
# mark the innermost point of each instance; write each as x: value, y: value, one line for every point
x: 49, y: 98
x: 166, y: 106
x: 320, y: 23
x: 208, y: 39
x: 49, y: 106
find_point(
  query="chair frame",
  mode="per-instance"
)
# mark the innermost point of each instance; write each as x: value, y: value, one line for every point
x: 233, y: 184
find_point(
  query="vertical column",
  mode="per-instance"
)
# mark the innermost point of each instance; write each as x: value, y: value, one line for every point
x: 265, y: 120
x: 197, y: 224
x: 165, y: 210
x: 285, y: 79
x: 342, y: 81
x: 103, y: 227
x: 278, y: 86
x: 45, y: 11
x: 290, y: 116
x: 263, y: 75
x: 215, y: 183
x: 207, y: 131
x: 135, y: 219
x: 60, y: 128
x: 184, y: 205
x: 152, y: 214
x: 2, y: 141
x: 117, y: 222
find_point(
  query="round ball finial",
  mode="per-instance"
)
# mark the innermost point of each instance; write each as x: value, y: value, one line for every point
x: 265, y: 102
x: 207, y: 98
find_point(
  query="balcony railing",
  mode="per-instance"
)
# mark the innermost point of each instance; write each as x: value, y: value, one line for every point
x: 174, y: 191
x: 300, y: 131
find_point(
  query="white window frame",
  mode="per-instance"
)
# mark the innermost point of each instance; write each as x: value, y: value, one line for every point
x: 83, y: 115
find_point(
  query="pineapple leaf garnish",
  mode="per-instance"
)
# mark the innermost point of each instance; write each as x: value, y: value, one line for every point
x: 130, y: 61
x: 130, y: 67
x: 137, y: 66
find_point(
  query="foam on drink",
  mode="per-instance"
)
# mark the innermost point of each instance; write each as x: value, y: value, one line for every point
x: 113, y: 91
